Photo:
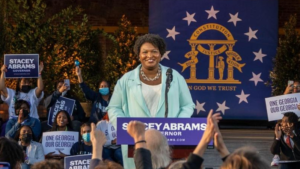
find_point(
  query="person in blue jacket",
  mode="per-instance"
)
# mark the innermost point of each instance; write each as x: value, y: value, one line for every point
x: 100, y: 99
x: 22, y: 109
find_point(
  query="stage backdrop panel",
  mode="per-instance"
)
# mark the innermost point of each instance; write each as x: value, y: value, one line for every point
x: 224, y: 50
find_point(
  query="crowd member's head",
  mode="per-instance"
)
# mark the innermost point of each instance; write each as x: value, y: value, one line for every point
x: 107, y: 164
x: 85, y: 131
x: 177, y: 164
x: 245, y: 158
x: 24, y: 85
x: 11, y: 152
x: 296, y: 87
x: 48, y: 164
x: 149, y: 48
x: 62, y: 121
x: 25, y: 135
x: 159, y: 148
x: 104, y: 88
x: 22, y: 108
x: 289, y: 122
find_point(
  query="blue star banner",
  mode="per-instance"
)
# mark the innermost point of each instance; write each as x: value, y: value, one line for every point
x: 224, y: 50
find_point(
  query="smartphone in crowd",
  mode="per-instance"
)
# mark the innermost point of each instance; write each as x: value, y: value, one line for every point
x: 290, y: 82
x: 4, y: 165
x: 67, y: 82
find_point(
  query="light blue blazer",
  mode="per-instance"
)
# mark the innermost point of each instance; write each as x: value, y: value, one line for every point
x: 128, y: 101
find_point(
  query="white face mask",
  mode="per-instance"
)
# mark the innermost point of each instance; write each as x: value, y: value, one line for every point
x: 64, y: 93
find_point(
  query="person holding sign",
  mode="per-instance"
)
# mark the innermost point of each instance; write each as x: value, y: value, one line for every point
x: 62, y: 123
x: 33, y: 151
x: 78, y: 114
x: 141, y: 92
x: 85, y: 145
x: 23, y: 92
x: 100, y: 99
x: 22, y: 109
x: 287, y: 140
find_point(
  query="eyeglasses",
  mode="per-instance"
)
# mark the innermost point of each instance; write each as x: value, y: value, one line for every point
x: 295, y: 86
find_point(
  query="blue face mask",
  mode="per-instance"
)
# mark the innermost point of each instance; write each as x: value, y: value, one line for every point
x: 86, y: 137
x: 104, y: 91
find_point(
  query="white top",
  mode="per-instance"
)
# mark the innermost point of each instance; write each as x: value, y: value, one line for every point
x: 30, y: 97
x: 151, y: 94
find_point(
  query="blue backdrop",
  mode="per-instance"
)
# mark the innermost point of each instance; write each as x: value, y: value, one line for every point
x: 224, y: 50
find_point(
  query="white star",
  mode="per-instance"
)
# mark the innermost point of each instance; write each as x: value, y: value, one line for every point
x: 243, y: 97
x: 251, y: 34
x: 172, y: 33
x: 165, y: 56
x: 222, y: 107
x: 199, y: 106
x: 234, y: 18
x: 259, y: 55
x: 189, y: 18
x: 256, y: 78
x: 211, y: 13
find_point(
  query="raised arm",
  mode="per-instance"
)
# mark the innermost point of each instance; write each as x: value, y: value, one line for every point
x: 2, y: 81
x: 40, y: 84
x: 89, y: 94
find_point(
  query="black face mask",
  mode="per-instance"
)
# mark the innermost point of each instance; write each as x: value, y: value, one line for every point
x: 26, y: 88
x: 25, y: 113
x: 26, y: 138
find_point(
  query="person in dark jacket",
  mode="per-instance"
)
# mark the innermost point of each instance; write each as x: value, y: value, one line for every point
x: 287, y: 140
x: 78, y: 114
x: 100, y: 99
x: 84, y: 145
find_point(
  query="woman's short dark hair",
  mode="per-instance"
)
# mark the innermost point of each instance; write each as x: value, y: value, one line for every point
x: 16, y: 138
x: 155, y: 40
x: 11, y: 152
x: 19, y: 103
x: 292, y: 118
x: 69, y: 125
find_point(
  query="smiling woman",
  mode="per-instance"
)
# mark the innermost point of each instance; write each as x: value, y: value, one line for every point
x: 141, y: 92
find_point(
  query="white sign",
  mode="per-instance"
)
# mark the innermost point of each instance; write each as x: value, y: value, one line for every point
x: 108, y: 129
x: 55, y: 141
x: 277, y: 106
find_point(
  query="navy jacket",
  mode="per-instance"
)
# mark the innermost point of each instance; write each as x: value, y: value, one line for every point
x: 99, y: 104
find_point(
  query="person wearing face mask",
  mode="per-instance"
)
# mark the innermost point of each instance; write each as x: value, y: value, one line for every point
x: 85, y: 145
x: 22, y: 92
x: 33, y: 151
x: 100, y: 99
x: 14, y: 124
x: 78, y: 114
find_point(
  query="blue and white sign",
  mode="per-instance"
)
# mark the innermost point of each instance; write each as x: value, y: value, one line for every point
x: 179, y: 131
x: 62, y: 103
x: 22, y: 65
x: 55, y: 141
x: 78, y: 162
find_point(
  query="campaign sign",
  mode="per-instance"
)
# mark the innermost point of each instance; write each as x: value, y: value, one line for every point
x: 178, y: 131
x: 22, y: 65
x: 278, y: 105
x: 77, y: 162
x: 62, y: 103
x: 55, y: 141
